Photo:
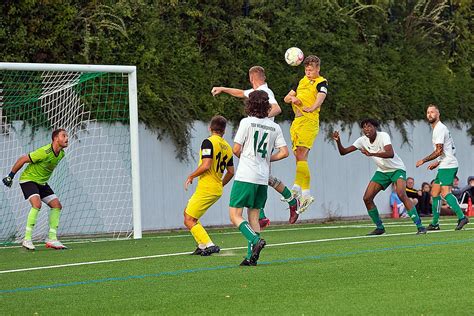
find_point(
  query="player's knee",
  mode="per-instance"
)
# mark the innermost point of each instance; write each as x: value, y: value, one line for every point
x: 274, y: 182
x: 368, y: 199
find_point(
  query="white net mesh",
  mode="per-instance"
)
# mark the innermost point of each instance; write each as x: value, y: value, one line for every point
x: 93, y: 181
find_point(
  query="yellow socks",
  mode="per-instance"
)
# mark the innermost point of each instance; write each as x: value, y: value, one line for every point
x: 303, y: 175
x: 200, y: 234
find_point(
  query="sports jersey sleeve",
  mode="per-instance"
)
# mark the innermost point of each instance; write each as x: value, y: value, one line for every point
x: 247, y: 92
x: 280, y: 140
x: 207, y: 150
x: 322, y: 87
x: 438, y: 136
x: 241, y: 134
x: 359, y: 143
x: 271, y: 97
x: 386, y: 139
x: 37, y: 155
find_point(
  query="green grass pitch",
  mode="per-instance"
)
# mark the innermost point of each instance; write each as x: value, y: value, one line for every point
x: 306, y: 269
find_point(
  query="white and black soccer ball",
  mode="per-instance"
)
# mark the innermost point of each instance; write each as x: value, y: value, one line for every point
x: 294, y: 56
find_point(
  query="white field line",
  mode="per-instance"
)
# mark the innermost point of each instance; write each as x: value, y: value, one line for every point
x: 185, y: 234
x: 224, y: 249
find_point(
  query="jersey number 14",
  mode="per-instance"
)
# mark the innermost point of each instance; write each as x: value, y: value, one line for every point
x: 262, y: 145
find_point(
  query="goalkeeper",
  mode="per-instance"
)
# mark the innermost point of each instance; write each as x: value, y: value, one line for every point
x: 33, y: 183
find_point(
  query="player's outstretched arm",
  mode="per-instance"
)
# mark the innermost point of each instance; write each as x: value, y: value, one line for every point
x: 275, y: 110
x: 342, y: 150
x: 238, y: 93
x: 386, y: 153
x: 317, y: 104
x: 203, y: 167
x: 8, y: 180
x: 228, y: 175
x: 281, y: 154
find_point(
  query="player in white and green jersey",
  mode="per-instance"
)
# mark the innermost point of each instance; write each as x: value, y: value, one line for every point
x: 390, y: 169
x: 254, y: 142
x: 258, y: 81
x: 447, y: 164
x: 34, y: 184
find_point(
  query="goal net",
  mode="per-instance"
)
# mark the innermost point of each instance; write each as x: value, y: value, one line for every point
x: 94, y: 183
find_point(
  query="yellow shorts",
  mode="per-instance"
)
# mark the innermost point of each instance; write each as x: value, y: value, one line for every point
x: 199, y: 203
x: 303, y: 132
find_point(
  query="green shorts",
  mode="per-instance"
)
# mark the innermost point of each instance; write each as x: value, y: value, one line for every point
x: 250, y: 195
x: 387, y: 178
x: 445, y: 177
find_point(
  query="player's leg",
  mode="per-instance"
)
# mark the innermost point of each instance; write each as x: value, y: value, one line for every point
x: 280, y: 187
x: 411, y: 209
x: 446, y: 177
x: 436, y: 204
x: 31, y: 193
x: 198, y: 204
x: 373, y: 188
x: 47, y: 196
x: 296, y: 189
x: 259, y: 201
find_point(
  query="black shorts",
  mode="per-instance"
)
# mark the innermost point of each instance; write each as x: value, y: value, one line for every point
x: 31, y: 188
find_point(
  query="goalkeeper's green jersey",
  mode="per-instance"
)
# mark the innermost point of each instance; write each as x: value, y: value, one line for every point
x: 43, y: 162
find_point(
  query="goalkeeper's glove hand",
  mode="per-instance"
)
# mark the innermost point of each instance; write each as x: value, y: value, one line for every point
x: 8, y: 180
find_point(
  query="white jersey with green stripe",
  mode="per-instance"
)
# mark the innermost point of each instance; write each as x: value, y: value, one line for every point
x: 258, y: 138
x: 43, y: 162
x: 441, y: 135
x: 381, y: 140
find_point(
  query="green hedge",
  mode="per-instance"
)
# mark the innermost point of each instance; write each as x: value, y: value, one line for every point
x: 383, y: 59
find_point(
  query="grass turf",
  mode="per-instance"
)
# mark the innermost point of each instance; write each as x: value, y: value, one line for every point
x: 335, y: 273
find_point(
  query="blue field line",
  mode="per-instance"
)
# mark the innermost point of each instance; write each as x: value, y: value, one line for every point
x: 217, y: 268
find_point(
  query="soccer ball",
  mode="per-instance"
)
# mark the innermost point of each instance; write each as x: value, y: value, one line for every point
x: 294, y: 56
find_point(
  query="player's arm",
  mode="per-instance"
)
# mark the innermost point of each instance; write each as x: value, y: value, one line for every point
x: 275, y: 110
x: 291, y: 98
x: 387, y: 153
x: 238, y: 93
x: 207, y: 154
x: 230, y: 172
x: 282, y: 153
x: 435, y: 154
x: 320, y: 97
x: 8, y: 180
x: 237, y: 149
x: 342, y: 150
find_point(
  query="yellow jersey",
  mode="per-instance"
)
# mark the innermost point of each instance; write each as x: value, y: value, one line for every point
x: 307, y: 92
x: 216, y: 148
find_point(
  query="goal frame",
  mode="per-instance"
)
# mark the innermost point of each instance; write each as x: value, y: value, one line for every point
x: 131, y: 72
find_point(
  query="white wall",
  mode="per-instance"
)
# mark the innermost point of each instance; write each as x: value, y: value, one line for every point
x: 338, y: 183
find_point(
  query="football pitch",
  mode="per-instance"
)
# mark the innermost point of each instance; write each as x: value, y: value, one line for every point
x: 311, y: 269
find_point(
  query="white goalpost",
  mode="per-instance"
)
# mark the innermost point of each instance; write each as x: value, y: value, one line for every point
x: 98, y: 181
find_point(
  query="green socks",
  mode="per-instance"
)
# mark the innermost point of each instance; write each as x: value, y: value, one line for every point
x: 287, y: 195
x: 453, y: 202
x: 249, y: 248
x: 262, y: 214
x: 30, y: 222
x: 374, y: 215
x: 248, y: 232
x: 414, y: 217
x: 53, y: 223
x: 436, y: 209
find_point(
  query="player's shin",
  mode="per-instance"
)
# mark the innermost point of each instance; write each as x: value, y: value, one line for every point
x: 374, y: 215
x: 435, y: 209
x: 414, y: 217
x: 200, y: 235
x: 453, y: 203
x: 248, y: 232
x: 30, y: 223
x: 54, y: 215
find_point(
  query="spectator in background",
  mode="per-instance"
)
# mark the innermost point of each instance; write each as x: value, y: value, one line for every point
x: 424, y: 200
x: 395, y: 199
x: 469, y: 187
x: 456, y: 190
x: 411, y: 192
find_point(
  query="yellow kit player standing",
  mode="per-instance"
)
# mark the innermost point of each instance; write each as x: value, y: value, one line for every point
x: 306, y: 100
x: 215, y: 158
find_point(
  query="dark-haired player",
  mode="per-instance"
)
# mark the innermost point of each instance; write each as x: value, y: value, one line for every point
x: 215, y: 158
x: 390, y: 169
x: 33, y: 183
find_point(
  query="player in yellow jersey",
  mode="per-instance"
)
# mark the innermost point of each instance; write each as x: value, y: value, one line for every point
x: 306, y: 100
x: 215, y: 158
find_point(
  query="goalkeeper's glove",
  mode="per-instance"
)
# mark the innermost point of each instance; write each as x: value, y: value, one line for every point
x: 8, y: 180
